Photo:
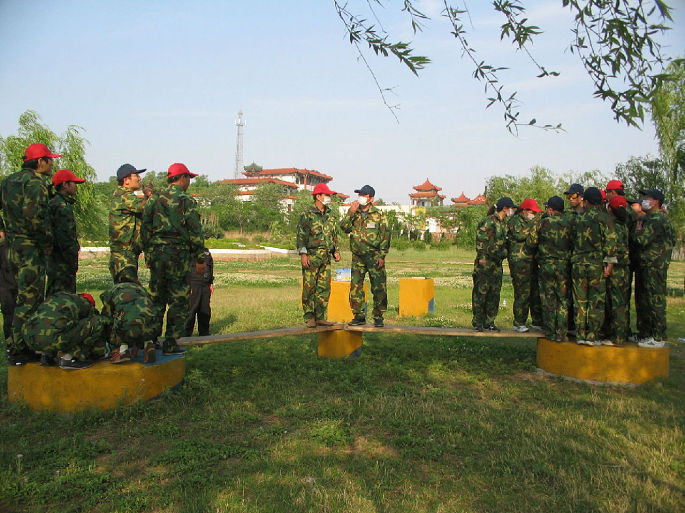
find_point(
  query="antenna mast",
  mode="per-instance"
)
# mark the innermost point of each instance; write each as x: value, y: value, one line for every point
x: 239, y: 123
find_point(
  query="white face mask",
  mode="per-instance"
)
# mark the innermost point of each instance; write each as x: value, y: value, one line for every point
x: 510, y: 212
x: 530, y: 216
x: 646, y: 204
x: 363, y: 200
x: 326, y: 200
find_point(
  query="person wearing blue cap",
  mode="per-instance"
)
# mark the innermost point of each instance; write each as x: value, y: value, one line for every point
x: 491, y: 249
x: 125, y: 218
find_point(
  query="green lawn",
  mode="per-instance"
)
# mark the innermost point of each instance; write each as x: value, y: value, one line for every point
x: 417, y: 424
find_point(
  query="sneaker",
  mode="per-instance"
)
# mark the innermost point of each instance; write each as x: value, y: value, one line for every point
x: 478, y: 328
x: 73, y: 364
x: 120, y: 357
x: 492, y: 327
x: 311, y: 323
x: 149, y: 352
x: 593, y: 343
x: 650, y: 343
x: 535, y: 327
x: 520, y: 329
x: 357, y: 321
x: 607, y: 342
x: 634, y: 337
x: 173, y: 349
x: 378, y: 323
x: 324, y: 322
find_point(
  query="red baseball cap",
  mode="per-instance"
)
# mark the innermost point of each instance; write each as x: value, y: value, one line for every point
x: 322, y: 188
x: 614, y: 185
x: 530, y: 204
x: 604, y: 194
x: 64, y: 175
x: 179, y: 169
x: 618, y: 201
x: 38, y: 151
x: 88, y: 297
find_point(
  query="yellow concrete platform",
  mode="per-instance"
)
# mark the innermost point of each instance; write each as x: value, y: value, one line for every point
x: 339, y: 343
x: 339, y: 302
x: 628, y: 365
x: 102, y: 386
x: 417, y: 297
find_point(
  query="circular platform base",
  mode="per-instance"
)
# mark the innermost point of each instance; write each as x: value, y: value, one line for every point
x: 102, y: 386
x: 625, y: 365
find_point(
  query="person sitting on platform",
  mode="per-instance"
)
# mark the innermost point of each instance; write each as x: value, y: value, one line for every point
x: 135, y: 321
x: 68, y: 330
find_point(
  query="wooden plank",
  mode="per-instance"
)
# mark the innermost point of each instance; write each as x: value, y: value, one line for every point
x: 444, y: 332
x: 254, y: 335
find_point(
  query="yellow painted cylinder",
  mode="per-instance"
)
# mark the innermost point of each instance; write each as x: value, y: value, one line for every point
x: 339, y: 343
x: 339, y: 302
x: 627, y: 364
x: 417, y: 297
x: 102, y: 386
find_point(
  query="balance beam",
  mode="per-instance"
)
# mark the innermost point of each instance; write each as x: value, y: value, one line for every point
x: 253, y: 335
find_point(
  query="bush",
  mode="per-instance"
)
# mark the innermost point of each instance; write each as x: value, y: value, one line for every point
x: 427, y: 237
x: 419, y: 244
x: 400, y: 244
x: 443, y: 245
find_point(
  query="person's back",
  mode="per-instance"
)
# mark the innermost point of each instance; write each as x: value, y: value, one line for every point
x: 555, y: 239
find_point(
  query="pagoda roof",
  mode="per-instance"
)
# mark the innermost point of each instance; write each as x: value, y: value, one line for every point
x: 461, y: 199
x: 287, y: 171
x: 256, y: 181
x: 478, y: 200
x: 427, y: 186
x: 427, y: 194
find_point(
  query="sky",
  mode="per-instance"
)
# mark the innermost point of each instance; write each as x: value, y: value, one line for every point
x: 158, y: 82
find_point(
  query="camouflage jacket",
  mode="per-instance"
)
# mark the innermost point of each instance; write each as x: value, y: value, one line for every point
x: 369, y: 232
x: 170, y: 218
x: 24, y: 197
x: 595, y: 238
x: 553, y: 238
x: 317, y: 232
x: 125, y: 218
x: 520, y: 244
x: 491, y: 239
x: 126, y: 302
x: 655, y: 238
x: 622, y: 242
x: 63, y: 222
x: 59, y: 312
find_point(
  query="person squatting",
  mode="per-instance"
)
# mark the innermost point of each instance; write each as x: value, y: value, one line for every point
x: 572, y: 269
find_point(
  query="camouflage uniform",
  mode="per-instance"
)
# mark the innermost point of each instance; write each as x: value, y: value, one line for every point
x: 655, y: 237
x: 67, y: 323
x: 317, y: 237
x: 63, y: 261
x: 125, y: 218
x: 595, y: 246
x: 554, y: 240
x: 8, y: 290
x: 134, y: 316
x: 172, y: 240
x: 29, y: 235
x: 369, y: 241
x: 573, y: 216
x: 491, y: 245
x: 617, y: 322
x: 524, y: 270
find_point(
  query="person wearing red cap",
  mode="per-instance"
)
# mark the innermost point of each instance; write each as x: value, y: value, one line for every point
x: 172, y: 240
x: 62, y: 263
x: 24, y: 200
x: 317, y: 242
x: 523, y: 267
x: 616, y: 320
x: 125, y: 218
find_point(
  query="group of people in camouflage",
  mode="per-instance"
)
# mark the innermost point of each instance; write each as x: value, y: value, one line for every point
x: 572, y: 269
x: 317, y: 243
x: 53, y: 323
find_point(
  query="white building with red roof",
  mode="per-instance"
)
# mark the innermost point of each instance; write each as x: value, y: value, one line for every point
x: 426, y: 195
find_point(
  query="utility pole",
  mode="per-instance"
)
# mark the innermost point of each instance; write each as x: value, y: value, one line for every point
x: 239, y: 123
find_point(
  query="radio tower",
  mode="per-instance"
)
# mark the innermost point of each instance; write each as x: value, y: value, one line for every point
x: 240, y: 123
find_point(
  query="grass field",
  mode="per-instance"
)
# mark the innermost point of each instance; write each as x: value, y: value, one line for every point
x: 417, y: 424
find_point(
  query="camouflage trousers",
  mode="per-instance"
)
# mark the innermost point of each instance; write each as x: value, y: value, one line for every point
x: 316, y: 287
x: 524, y: 277
x: 28, y: 266
x: 8, y: 298
x: 135, y: 332
x: 123, y: 265
x: 84, y: 339
x: 642, y: 324
x: 361, y: 265
x: 616, y: 320
x: 554, y: 281
x: 589, y: 293
x: 653, y: 295
x: 61, y: 275
x: 487, y: 284
x: 170, y: 285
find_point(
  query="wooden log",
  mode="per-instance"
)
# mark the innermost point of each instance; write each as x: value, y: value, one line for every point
x: 444, y: 332
x: 253, y: 335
